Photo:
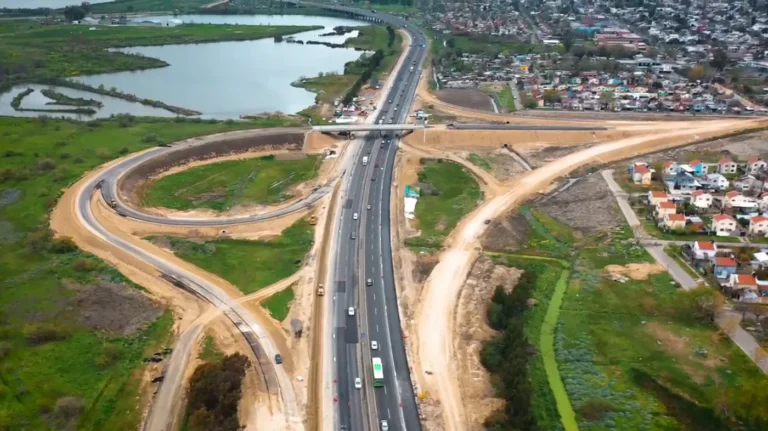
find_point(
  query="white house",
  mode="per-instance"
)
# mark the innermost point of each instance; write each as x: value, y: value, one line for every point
x: 716, y: 181
x: 738, y: 201
x: 745, y: 183
x: 762, y: 202
x: 664, y: 208
x: 674, y: 221
x: 723, y: 224
x: 654, y: 197
x: 704, y: 250
x: 727, y: 166
x: 671, y: 168
x: 755, y: 165
x: 758, y: 225
x: 701, y: 200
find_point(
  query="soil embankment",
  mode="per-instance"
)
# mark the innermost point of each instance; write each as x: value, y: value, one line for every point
x: 135, y: 180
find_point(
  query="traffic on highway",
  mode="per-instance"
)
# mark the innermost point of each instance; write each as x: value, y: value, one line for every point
x: 371, y: 373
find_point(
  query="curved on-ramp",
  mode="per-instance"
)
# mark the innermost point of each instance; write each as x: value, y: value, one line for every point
x: 110, y: 179
x: 257, y: 337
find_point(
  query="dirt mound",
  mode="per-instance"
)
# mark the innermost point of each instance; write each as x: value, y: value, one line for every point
x: 586, y: 206
x: 508, y: 233
x: 115, y: 308
x: 636, y: 271
x: 473, y: 331
x: 466, y: 97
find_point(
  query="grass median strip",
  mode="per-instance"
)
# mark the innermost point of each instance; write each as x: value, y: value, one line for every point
x: 547, y: 345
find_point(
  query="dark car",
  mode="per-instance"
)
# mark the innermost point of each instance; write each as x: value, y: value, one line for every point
x: 278, y: 359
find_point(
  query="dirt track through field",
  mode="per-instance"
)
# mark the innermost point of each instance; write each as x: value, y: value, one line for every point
x: 433, y: 344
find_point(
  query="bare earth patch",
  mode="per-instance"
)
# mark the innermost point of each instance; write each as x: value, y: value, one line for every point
x: 587, y: 206
x: 472, y: 330
x: 636, y: 271
x: 115, y: 308
x: 466, y: 97
x: 507, y: 233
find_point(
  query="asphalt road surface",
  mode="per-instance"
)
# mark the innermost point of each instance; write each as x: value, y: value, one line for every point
x: 369, y: 255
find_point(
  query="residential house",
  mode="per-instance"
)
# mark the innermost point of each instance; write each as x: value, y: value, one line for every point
x: 744, y: 285
x: 674, y: 221
x: 654, y: 197
x: 641, y: 174
x: 758, y: 225
x: 736, y: 200
x: 699, y: 167
x: 714, y: 181
x: 682, y: 182
x: 724, y: 267
x: 759, y: 261
x: 762, y: 202
x: 727, y: 166
x: 704, y: 250
x: 701, y: 200
x: 723, y: 224
x: 671, y: 168
x: 745, y: 183
x: 664, y: 208
x: 755, y: 165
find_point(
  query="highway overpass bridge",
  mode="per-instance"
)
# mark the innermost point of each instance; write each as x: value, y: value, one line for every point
x: 337, y: 128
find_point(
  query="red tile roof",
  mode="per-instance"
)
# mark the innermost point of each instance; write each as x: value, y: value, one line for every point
x: 695, y: 162
x: 758, y: 219
x: 753, y: 160
x: 732, y: 194
x: 667, y: 205
x: 676, y: 217
x: 724, y: 261
x: 721, y: 217
x: 668, y: 164
x: 697, y: 193
x: 746, y: 279
x: 706, y: 245
x: 724, y: 161
x: 641, y: 169
x: 659, y: 194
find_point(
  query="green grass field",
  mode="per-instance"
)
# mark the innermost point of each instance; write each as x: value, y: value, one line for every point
x: 639, y: 355
x: 249, y: 265
x: 327, y: 87
x: 210, y: 353
x: 38, y: 159
x: 278, y: 304
x: 33, y: 51
x: 507, y: 99
x: 455, y: 193
x: 221, y: 186
x: 479, y: 161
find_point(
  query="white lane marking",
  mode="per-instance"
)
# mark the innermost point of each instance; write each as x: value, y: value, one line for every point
x: 377, y: 327
x: 375, y: 311
x: 389, y: 415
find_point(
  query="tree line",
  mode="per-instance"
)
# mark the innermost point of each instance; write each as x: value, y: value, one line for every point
x: 506, y: 356
x: 214, y: 393
x: 370, y: 64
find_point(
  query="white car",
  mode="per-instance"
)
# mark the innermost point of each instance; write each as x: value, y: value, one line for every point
x: 384, y: 426
x: 354, y: 216
x: 351, y: 311
x: 374, y: 345
x: 358, y: 383
x: 368, y: 207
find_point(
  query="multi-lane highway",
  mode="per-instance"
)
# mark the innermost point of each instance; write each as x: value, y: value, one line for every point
x: 364, y: 252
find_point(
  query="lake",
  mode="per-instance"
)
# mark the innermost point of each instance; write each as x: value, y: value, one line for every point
x: 31, y: 4
x: 225, y: 79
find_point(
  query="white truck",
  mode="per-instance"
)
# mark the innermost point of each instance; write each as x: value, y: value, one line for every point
x: 365, y: 160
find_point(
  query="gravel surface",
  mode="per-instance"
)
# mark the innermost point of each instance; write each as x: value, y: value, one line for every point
x: 466, y: 97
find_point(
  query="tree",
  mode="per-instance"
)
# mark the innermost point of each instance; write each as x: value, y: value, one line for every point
x: 568, y: 41
x: 719, y: 59
x: 696, y: 73
x: 551, y: 96
x: 74, y: 13
x: 606, y: 97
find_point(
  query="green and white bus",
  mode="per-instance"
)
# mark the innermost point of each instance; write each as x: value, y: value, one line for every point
x: 378, y: 373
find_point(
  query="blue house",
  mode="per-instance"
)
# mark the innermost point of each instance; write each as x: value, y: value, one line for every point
x: 724, y: 267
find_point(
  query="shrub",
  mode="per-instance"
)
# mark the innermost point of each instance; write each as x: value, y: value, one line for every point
x: 83, y: 265
x: 39, y: 241
x: 595, y: 408
x: 63, y: 245
x: 46, y: 165
x: 110, y: 355
x: 41, y: 333
x: 149, y: 138
x: 67, y: 410
x: 214, y: 393
x: 5, y: 349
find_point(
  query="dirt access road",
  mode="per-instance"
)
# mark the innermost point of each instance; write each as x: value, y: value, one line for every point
x: 434, y: 345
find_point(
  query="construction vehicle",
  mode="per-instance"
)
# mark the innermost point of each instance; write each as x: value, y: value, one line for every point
x: 112, y: 203
x: 312, y: 220
x: 320, y: 289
